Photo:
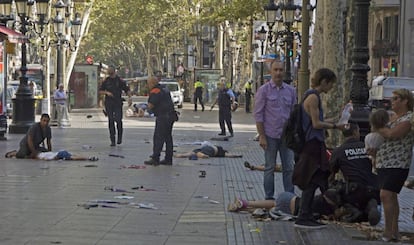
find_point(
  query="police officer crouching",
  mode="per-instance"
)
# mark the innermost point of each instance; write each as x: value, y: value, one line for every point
x: 160, y: 103
x: 361, y: 190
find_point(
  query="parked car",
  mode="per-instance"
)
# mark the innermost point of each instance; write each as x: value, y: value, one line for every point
x: 177, y: 93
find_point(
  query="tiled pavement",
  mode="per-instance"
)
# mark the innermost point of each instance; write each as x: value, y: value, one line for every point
x: 39, y: 200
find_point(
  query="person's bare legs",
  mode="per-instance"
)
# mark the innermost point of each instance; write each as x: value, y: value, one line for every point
x: 188, y: 154
x: 242, y: 205
x: 391, y: 212
x: 278, y: 167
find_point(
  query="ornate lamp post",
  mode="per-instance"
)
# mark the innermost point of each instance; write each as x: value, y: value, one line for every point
x: 283, y: 13
x: 262, y: 37
x: 23, y: 104
x: 360, y: 56
x: 61, y: 42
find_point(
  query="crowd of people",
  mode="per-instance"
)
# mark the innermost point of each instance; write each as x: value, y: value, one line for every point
x: 373, y: 171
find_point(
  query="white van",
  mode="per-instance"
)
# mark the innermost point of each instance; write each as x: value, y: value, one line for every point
x: 177, y: 93
x: 382, y: 87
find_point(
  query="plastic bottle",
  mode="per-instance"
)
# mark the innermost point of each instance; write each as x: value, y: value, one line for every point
x: 346, y: 113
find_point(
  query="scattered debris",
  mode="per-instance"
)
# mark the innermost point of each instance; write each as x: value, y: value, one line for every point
x: 88, y: 205
x: 124, y: 197
x: 86, y: 147
x: 91, y: 166
x: 89, y: 116
x: 202, y: 174
x: 143, y: 205
x: 115, y: 155
x: 141, y: 188
x: 113, y: 189
x: 133, y: 166
x: 213, y: 201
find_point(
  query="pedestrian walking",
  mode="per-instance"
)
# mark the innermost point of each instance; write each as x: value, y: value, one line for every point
x: 112, y: 88
x: 312, y: 169
x: 160, y: 103
x: 248, y: 93
x: 225, y: 100
x: 198, y: 94
x: 60, y: 101
x: 393, y: 159
x: 34, y: 140
x: 273, y: 103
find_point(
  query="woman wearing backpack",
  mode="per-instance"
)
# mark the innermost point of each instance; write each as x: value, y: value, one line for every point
x: 312, y: 169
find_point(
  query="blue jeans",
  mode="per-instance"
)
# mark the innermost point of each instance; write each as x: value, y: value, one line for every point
x: 273, y: 147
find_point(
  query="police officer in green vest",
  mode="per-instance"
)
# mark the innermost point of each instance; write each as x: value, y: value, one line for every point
x: 198, y: 94
x: 248, y: 94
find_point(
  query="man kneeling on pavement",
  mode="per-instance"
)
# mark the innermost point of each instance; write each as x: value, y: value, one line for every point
x: 360, y: 193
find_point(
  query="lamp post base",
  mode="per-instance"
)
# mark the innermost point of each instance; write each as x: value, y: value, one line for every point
x: 23, y: 114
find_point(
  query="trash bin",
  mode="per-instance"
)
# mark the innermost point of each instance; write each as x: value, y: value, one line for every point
x: 45, y: 106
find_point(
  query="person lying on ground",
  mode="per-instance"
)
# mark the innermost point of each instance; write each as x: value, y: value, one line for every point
x: 287, y: 202
x: 139, y: 110
x: 33, y: 142
x: 207, y: 150
x: 60, y: 155
x: 261, y: 167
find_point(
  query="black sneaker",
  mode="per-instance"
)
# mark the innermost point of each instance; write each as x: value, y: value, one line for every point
x: 152, y: 162
x: 165, y: 162
x: 309, y: 224
x: 119, y: 142
x: 112, y: 143
x: 222, y: 134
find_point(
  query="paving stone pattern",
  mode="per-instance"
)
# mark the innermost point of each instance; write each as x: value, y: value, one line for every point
x: 41, y: 201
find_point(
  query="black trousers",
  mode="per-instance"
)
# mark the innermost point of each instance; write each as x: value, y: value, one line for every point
x: 248, y: 102
x: 318, y: 181
x: 114, y: 116
x: 199, y: 98
x: 163, y: 134
x: 225, y: 117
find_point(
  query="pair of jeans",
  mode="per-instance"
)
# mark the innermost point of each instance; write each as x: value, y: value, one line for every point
x: 273, y: 147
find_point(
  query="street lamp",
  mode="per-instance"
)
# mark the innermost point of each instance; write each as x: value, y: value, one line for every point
x: 61, y: 42
x: 262, y: 37
x: 360, y: 56
x: 286, y: 13
x: 23, y: 104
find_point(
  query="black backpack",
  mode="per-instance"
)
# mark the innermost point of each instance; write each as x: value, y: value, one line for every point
x: 293, y: 135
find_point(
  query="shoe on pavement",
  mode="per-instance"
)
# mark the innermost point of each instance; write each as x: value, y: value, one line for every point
x: 309, y: 224
x: 165, y: 162
x: 119, y: 142
x: 231, y: 135
x: 93, y: 158
x: 248, y: 165
x: 237, y: 205
x: 222, y: 134
x: 112, y: 143
x: 152, y: 162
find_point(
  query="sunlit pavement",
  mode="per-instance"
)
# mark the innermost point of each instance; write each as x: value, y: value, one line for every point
x: 66, y: 202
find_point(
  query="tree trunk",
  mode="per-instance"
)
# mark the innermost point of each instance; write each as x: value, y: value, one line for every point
x: 328, y: 52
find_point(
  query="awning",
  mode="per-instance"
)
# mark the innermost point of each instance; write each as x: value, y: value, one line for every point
x: 12, y: 35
